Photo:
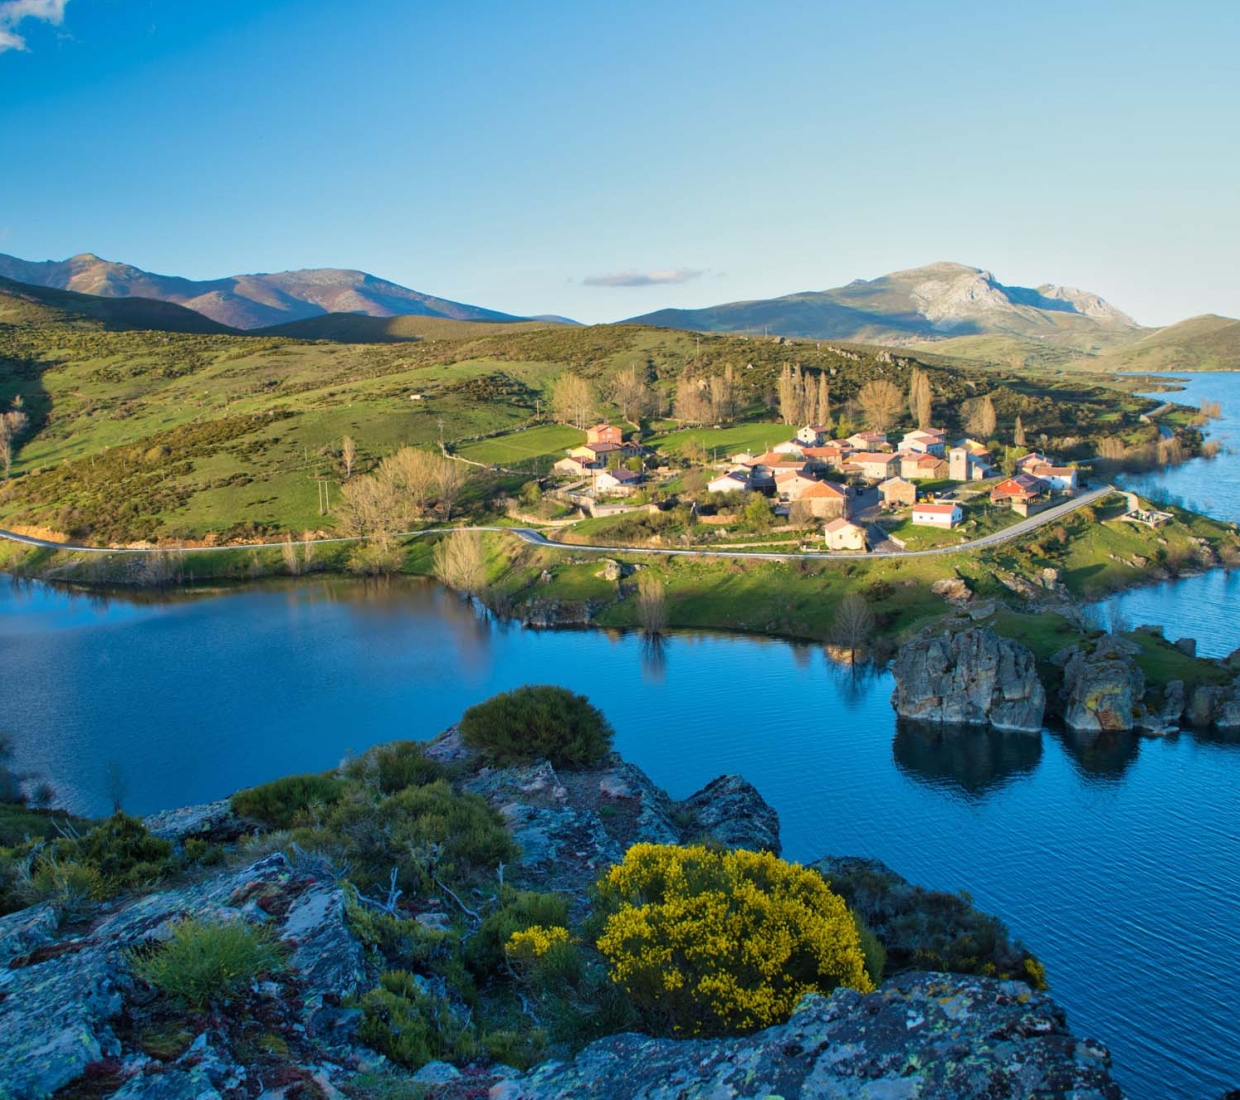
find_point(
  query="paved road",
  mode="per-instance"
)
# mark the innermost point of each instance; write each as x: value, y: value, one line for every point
x: 537, y: 538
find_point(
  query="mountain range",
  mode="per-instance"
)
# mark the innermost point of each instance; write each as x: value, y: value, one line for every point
x: 940, y: 301
x: 948, y: 309
x: 246, y: 301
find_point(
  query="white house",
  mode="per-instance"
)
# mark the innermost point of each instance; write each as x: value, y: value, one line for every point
x: 876, y: 465
x: 937, y: 515
x: 731, y: 482
x: 1062, y: 479
x: 931, y: 441
x: 574, y: 466
x: 868, y: 441
x: 621, y: 481
x: 788, y: 447
x: 842, y: 534
x: 812, y: 435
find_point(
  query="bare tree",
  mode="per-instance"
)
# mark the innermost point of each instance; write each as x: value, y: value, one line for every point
x: 117, y: 786
x: 371, y: 508
x: 792, y: 397
x: 723, y: 395
x: 651, y: 604
x: 348, y: 455
x: 453, y: 477
x: 853, y: 624
x: 1018, y: 436
x: 12, y: 425
x: 881, y: 401
x: 693, y: 405
x: 630, y: 392
x: 573, y: 400
x: 415, y: 476
x: 920, y: 398
x: 979, y: 418
x: 824, y: 399
x: 288, y: 551
x: 460, y: 562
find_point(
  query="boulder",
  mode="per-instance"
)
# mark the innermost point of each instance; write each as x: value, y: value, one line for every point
x: 1216, y: 705
x: 1103, y: 690
x: 730, y: 811
x: 970, y: 677
x: 952, y: 589
x: 920, y: 1035
x: 1187, y: 646
x: 214, y: 821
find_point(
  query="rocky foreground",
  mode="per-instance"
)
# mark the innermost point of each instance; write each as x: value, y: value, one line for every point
x: 75, y: 1023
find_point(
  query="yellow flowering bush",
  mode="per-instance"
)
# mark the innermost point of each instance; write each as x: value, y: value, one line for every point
x: 712, y: 942
x: 533, y: 943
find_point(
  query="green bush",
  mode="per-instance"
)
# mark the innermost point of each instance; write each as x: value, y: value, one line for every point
x: 283, y: 803
x: 519, y: 910
x: 538, y: 722
x: 421, y: 831
x: 71, y: 887
x: 394, y: 766
x: 207, y: 961
x: 124, y: 853
x: 412, y: 1026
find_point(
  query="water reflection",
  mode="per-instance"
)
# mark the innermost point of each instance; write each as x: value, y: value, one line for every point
x: 1100, y: 756
x: 853, y: 680
x: 654, y: 658
x: 972, y: 759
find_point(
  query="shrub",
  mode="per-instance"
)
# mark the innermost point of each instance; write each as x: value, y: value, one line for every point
x: 422, y: 831
x: 395, y: 766
x: 207, y: 961
x: 711, y: 942
x: 520, y: 910
x: 411, y: 1026
x: 538, y: 722
x: 70, y: 887
x: 285, y: 802
x: 123, y: 852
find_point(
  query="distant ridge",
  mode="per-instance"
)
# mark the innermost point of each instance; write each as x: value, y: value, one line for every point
x: 941, y: 300
x: 247, y: 301
x: 356, y: 328
x: 21, y: 303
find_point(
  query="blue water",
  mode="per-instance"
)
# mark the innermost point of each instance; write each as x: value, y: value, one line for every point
x: 1117, y: 860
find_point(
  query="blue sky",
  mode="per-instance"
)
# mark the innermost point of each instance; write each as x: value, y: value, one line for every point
x: 540, y: 156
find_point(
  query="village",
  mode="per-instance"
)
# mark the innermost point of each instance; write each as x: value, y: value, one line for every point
x: 868, y: 491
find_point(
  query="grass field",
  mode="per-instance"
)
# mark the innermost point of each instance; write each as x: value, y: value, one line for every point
x: 722, y: 442
x: 518, y: 448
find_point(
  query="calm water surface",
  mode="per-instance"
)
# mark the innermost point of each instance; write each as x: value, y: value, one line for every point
x: 1117, y: 860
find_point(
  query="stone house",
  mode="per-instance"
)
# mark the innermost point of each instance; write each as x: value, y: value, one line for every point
x: 842, y: 534
x: 897, y: 492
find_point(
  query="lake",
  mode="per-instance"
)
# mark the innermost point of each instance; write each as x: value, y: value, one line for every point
x: 1116, y: 859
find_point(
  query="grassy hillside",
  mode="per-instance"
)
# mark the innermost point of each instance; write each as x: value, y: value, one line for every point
x: 357, y: 328
x: 1209, y: 342
x: 22, y: 304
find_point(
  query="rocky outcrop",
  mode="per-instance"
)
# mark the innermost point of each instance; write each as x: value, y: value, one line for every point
x: 730, y: 811
x: 1104, y: 690
x: 952, y: 589
x: 1216, y: 705
x: 932, y: 1036
x: 62, y: 997
x: 969, y: 677
x: 212, y: 821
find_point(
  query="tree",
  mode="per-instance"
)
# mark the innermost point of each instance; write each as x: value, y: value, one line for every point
x: 758, y: 512
x: 920, y: 398
x: 881, y: 401
x: 980, y: 418
x: 723, y: 395
x: 651, y: 604
x: 693, y: 405
x: 12, y: 425
x: 460, y: 562
x: 1018, y: 436
x: 537, y: 722
x: 853, y: 624
x: 572, y: 397
x: 630, y: 392
x: 792, y: 394
x: 415, y: 475
x: 824, y: 399
x: 348, y: 455
x: 453, y: 477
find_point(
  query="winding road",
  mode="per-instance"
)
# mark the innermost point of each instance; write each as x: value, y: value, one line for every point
x: 537, y: 538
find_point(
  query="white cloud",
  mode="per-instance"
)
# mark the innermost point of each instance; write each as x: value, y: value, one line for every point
x: 643, y: 278
x: 13, y: 12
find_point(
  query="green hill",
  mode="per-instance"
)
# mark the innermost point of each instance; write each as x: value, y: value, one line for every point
x: 21, y: 303
x: 1208, y: 342
x: 357, y: 328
